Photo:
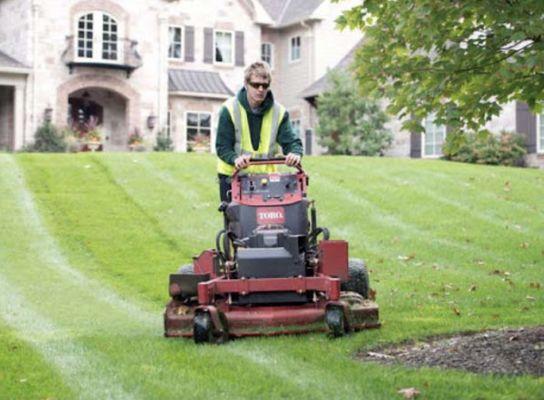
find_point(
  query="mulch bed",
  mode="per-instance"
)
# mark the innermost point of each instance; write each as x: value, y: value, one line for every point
x: 509, y: 352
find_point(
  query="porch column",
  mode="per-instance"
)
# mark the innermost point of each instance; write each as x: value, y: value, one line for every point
x: 18, y: 117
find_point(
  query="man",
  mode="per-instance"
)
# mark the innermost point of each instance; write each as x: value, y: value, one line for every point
x: 250, y: 125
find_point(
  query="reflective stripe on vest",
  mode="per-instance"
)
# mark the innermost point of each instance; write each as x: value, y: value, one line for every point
x: 242, y: 135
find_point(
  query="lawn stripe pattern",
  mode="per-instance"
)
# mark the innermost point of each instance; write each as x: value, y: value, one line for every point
x: 153, y: 194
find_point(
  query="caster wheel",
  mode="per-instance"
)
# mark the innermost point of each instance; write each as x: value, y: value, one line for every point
x: 202, y: 328
x: 334, y: 317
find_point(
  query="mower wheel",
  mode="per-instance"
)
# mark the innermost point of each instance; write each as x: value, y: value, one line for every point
x: 334, y: 317
x: 358, y: 280
x: 186, y: 269
x: 202, y: 328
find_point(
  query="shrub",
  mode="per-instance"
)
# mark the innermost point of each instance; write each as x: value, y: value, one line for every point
x: 164, y: 142
x: 348, y: 122
x: 507, y: 148
x: 47, y: 140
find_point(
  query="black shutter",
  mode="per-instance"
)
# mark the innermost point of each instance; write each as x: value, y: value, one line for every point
x: 415, y: 145
x: 526, y: 125
x: 189, y: 43
x: 208, y: 45
x: 239, y: 49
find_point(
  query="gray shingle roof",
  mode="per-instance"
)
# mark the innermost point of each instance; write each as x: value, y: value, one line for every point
x: 274, y: 7
x: 8, y: 62
x: 183, y: 80
x: 320, y: 85
x: 288, y: 12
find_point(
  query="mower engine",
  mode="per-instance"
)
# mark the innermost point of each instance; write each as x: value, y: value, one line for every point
x: 269, y: 274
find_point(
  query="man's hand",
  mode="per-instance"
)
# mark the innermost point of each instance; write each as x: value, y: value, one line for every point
x: 242, y: 161
x: 292, y: 159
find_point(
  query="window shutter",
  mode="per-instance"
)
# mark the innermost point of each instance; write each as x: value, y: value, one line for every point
x: 415, y: 145
x: 208, y: 45
x: 526, y: 125
x: 239, y: 48
x: 189, y: 43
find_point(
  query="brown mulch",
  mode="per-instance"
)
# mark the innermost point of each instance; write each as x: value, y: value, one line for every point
x: 510, y: 352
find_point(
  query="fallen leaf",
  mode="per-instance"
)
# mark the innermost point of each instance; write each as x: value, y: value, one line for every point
x: 480, y: 262
x: 372, y: 294
x: 407, y: 258
x: 524, y: 245
x: 472, y: 288
x: 456, y: 311
x: 530, y: 298
x: 507, y: 186
x: 534, y: 285
x: 409, y: 393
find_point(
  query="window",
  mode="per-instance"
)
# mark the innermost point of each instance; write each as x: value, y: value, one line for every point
x: 433, y: 139
x: 266, y: 53
x: 295, y: 123
x: 224, y: 47
x: 175, y: 35
x: 294, y: 49
x: 540, y: 134
x: 98, y: 38
x: 199, y: 127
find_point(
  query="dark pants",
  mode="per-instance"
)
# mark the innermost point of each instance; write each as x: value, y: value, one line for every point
x: 224, y: 187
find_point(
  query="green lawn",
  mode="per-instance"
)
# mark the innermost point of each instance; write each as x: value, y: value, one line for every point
x: 87, y: 242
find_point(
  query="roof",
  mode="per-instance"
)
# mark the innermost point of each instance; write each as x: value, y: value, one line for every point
x: 288, y: 12
x: 197, y: 82
x: 319, y: 86
x: 10, y: 63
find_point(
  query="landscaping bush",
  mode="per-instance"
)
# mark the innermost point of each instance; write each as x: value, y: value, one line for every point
x: 164, y: 143
x: 47, y: 140
x: 507, y: 148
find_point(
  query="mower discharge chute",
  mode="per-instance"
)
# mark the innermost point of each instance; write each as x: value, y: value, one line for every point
x: 269, y: 274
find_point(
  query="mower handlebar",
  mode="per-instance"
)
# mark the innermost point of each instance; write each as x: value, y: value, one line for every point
x: 269, y: 161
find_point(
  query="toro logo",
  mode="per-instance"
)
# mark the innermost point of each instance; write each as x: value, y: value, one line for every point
x: 270, y: 215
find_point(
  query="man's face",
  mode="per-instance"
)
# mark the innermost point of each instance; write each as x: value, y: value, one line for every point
x: 257, y: 88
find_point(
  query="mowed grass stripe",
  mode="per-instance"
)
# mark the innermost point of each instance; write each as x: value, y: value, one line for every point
x: 107, y: 235
x: 413, y: 208
x: 170, y: 196
x: 24, y: 373
x: 89, y: 374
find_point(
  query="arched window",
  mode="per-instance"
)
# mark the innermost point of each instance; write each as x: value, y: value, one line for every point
x: 98, y: 38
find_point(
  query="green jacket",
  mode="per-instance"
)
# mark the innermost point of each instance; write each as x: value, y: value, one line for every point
x: 225, y: 138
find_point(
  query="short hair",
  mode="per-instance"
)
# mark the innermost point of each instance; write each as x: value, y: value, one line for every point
x: 260, y: 69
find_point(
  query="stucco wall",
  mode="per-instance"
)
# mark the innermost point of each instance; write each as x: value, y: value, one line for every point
x: 15, y: 32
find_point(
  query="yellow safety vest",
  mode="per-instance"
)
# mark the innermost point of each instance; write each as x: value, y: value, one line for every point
x: 242, y: 144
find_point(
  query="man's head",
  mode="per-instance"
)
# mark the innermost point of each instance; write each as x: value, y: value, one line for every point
x: 257, y: 80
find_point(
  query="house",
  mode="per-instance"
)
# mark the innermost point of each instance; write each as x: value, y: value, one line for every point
x: 135, y: 66
x: 155, y: 66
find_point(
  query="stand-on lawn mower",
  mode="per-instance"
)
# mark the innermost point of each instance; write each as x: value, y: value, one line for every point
x: 269, y: 274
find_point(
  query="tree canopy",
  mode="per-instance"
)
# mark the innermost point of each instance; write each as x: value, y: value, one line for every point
x: 461, y: 59
x: 348, y: 122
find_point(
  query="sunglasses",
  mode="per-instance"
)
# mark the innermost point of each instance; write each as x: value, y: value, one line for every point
x: 257, y: 85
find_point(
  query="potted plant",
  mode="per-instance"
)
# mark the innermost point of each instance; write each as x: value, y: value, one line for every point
x: 90, y: 135
x: 136, y: 141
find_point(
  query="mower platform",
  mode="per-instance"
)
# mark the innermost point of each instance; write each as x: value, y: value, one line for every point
x: 269, y: 275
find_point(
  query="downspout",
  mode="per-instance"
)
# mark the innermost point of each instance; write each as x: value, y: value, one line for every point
x: 33, y: 29
x: 311, y: 69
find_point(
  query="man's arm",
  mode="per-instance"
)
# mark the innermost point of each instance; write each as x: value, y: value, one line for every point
x: 225, y: 137
x: 289, y: 141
